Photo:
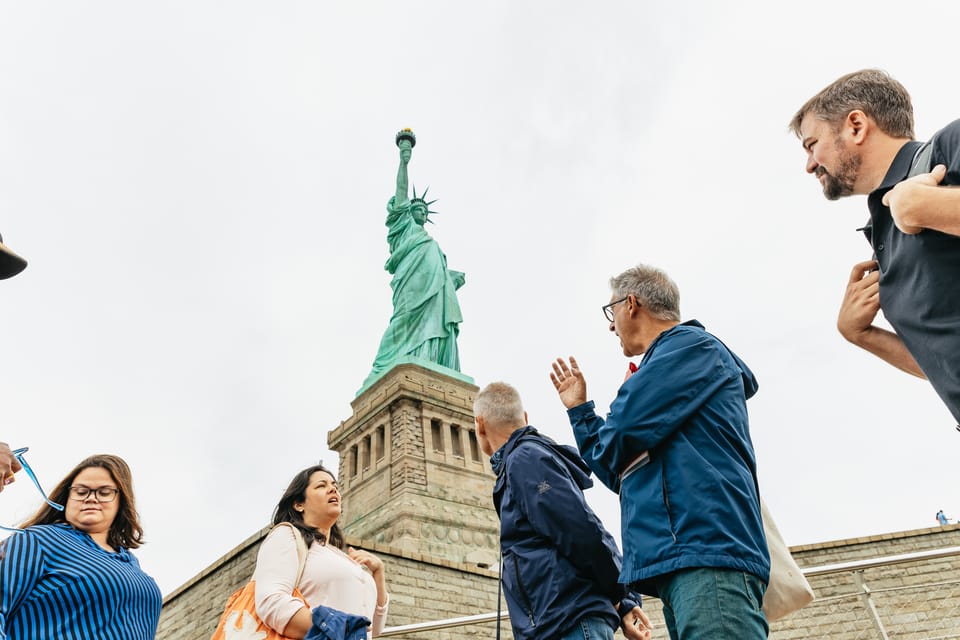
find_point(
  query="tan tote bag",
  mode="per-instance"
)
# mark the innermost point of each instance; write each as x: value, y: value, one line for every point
x: 788, y: 589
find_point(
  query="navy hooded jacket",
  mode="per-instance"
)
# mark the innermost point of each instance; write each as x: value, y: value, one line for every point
x: 696, y: 502
x: 333, y: 624
x: 559, y: 563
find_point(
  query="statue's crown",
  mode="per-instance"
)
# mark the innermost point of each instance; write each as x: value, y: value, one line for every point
x: 415, y: 200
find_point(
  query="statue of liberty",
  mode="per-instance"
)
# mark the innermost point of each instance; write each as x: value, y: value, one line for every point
x: 426, y: 314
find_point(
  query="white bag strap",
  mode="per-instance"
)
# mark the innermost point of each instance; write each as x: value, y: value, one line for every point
x: 301, y: 550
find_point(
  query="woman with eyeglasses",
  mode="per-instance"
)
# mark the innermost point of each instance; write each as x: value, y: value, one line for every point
x: 70, y: 573
x: 344, y: 579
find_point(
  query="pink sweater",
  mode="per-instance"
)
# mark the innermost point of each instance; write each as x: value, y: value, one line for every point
x: 330, y: 578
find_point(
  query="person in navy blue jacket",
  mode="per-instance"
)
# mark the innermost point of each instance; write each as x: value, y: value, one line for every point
x: 560, y: 566
x: 676, y: 447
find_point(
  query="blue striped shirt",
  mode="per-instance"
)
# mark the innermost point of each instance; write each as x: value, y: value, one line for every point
x: 56, y: 582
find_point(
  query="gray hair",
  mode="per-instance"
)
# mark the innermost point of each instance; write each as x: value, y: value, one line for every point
x: 652, y: 287
x: 872, y: 91
x: 499, y: 404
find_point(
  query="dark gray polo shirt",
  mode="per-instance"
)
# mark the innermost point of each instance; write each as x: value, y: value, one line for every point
x: 920, y: 274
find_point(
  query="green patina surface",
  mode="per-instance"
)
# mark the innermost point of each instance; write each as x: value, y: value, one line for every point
x: 426, y: 315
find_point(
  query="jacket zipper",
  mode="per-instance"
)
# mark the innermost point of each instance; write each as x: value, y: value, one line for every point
x: 523, y: 592
x: 666, y: 503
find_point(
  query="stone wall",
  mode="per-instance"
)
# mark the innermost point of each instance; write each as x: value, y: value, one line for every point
x: 917, y: 599
x: 423, y: 589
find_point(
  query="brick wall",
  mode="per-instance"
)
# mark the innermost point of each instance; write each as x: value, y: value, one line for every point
x: 914, y: 600
x: 919, y: 599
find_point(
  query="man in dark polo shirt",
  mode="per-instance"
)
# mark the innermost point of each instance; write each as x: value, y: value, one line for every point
x: 858, y: 135
x: 10, y: 265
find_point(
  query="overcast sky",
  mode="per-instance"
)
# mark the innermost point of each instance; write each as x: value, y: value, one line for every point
x: 200, y: 186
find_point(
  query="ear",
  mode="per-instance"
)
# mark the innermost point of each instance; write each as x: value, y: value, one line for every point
x: 857, y: 125
x: 298, y: 507
x: 481, y: 426
x: 526, y: 421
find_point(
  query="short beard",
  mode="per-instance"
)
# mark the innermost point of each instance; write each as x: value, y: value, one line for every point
x: 841, y: 184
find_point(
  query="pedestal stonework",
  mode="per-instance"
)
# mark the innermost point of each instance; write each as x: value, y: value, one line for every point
x: 411, y: 470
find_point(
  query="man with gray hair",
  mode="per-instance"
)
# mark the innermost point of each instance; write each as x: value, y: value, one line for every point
x: 560, y: 566
x: 10, y: 265
x: 676, y: 447
x: 858, y: 137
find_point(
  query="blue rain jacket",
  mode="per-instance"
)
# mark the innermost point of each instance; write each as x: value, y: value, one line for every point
x: 696, y: 502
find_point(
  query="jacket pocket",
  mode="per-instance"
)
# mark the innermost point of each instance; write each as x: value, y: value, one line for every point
x: 523, y: 595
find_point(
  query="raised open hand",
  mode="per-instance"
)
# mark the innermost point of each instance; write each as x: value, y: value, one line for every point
x: 569, y: 382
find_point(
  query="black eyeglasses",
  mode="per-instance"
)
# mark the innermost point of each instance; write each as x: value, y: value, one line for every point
x: 18, y: 454
x: 101, y: 494
x: 608, y: 308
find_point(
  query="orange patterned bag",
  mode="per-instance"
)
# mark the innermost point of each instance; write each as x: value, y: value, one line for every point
x: 239, y: 620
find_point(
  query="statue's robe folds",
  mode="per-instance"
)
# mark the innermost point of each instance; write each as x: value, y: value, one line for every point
x: 426, y: 314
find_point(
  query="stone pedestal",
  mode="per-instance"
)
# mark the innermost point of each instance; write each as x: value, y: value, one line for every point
x: 411, y: 470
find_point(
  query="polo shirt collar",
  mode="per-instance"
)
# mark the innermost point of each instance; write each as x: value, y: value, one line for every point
x: 900, y: 166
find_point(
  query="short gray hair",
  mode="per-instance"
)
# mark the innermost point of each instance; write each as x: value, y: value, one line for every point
x: 499, y: 404
x: 652, y: 287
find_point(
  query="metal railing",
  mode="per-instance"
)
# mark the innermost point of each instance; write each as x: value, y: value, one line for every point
x: 449, y: 623
x: 855, y: 613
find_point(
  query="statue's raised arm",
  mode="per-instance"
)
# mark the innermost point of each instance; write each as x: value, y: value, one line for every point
x: 405, y: 142
x: 426, y: 314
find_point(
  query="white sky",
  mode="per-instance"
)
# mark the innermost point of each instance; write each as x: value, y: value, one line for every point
x: 200, y: 186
